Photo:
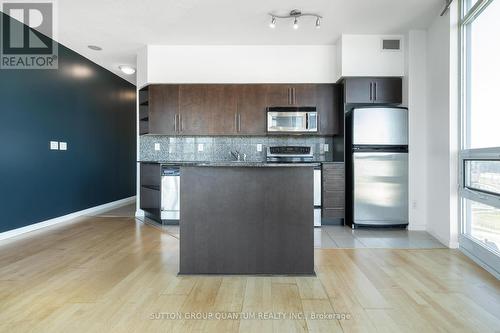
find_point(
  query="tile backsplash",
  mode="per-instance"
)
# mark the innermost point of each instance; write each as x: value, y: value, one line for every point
x: 218, y: 148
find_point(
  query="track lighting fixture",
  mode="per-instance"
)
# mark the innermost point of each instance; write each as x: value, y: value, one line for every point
x: 295, y: 14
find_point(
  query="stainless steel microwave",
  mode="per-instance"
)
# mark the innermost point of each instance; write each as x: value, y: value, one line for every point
x: 283, y: 119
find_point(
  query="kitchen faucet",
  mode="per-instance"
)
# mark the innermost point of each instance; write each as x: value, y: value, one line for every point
x: 238, y: 156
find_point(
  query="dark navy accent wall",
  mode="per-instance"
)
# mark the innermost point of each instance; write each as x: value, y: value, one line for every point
x: 81, y: 103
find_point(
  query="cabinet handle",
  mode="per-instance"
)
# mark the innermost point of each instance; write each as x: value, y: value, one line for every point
x: 236, y: 121
x: 175, y: 123
x: 239, y: 122
x: 375, y: 91
x: 293, y: 97
x: 371, y: 91
x: 180, y: 123
x: 289, y: 96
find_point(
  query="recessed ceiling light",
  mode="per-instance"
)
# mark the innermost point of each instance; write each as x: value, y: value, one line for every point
x: 95, y: 47
x: 129, y: 70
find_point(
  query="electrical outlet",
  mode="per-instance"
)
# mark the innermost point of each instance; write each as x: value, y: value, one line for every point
x: 200, y: 147
x: 259, y: 147
x: 63, y: 146
x: 326, y: 147
x: 54, y: 145
x: 157, y: 147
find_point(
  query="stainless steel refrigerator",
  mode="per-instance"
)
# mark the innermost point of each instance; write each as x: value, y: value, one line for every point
x: 377, y: 162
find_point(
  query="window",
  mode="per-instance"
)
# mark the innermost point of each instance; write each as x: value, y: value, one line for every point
x: 480, y: 151
x: 483, y: 69
x: 483, y: 224
x: 483, y: 175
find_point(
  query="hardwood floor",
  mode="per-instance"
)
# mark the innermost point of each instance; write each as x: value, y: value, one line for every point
x: 110, y: 274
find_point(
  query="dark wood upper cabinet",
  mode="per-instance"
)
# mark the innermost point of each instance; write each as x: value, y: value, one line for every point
x: 235, y: 109
x: 388, y: 90
x: 304, y: 94
x: 163, y: 109
x: 363, y: 90
x: 194, y: 109
x: 221, y: 108
x: 278, y: 94
x: 358, y: 90
x: 252, y: 104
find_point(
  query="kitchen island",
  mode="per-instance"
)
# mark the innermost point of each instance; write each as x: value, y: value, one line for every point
x: 246, y: 218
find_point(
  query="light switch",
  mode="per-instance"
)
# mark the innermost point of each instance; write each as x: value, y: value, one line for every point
x: 63, y: 146
x: 326, y: 147
x: 200, y: 147
x: 259, y: 147
x: 157, y: 146
x: 54, y: 145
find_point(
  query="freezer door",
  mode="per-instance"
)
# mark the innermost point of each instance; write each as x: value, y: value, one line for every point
x: 380, y: 188
x: 380, y: 126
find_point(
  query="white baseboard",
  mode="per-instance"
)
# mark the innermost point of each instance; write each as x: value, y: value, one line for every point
x: 446, y: 242
x: 66, y: 218
x: 420, y: 227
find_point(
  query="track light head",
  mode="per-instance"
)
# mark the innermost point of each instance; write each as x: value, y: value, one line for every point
x: 318, y: 23
x: 273, y: 23
x: 296, y: 24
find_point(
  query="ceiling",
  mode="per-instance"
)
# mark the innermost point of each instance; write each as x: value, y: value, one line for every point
x: 121, y: 28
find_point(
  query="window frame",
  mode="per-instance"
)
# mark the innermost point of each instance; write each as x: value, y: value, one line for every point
x: 484, y: 256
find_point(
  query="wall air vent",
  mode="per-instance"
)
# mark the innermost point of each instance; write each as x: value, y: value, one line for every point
x: 391, y: 44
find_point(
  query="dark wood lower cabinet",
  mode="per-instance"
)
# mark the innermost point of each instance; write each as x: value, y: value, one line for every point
x: 255, y: 222
x: 333, y: 196
x: 150, y: 190
x: 328, y: 104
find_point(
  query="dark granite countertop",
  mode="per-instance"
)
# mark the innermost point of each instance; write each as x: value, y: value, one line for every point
x: 248, y: 164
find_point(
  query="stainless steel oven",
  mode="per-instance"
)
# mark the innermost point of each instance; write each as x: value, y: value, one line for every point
x: 292, y: 119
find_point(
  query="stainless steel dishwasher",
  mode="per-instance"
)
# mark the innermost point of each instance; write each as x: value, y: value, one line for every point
x: 170, y: 194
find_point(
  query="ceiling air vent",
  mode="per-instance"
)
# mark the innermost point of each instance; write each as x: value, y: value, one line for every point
x: 391, y: 44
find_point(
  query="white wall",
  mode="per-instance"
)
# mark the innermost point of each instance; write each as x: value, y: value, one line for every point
x: 239, y: 64
x: 142, y: 68
x: 442, y: 127
x: 416, y: 81
x: 362, y: 55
